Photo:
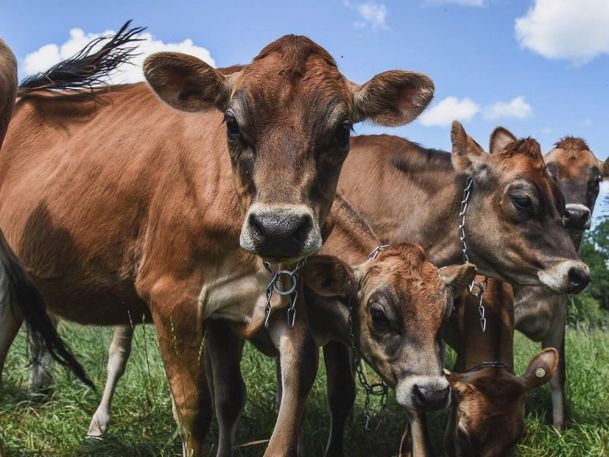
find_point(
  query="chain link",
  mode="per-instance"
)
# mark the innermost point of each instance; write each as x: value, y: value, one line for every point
x: 476, y: 288
x: 378, y: 389
x: 292, y: 291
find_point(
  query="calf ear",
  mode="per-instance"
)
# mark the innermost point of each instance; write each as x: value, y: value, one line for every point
x: 467, y: 155
x: 457, y: 277
x: 186, y: 83
x: 541, y: 368
x: 328, y: 276
x: 392, y: 97
x: 500, y: 138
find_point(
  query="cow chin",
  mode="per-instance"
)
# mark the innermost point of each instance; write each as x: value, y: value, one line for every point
x: 423, y: 393
x: 570, y: 276
x: 284, y: 232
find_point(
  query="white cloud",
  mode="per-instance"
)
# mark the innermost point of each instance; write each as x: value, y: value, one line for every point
x: 566, y: 29
x: 50, y: 54
x: 447, y: 110
x: 371, y: 14
x: 456, y: 2
x: 516, y: 108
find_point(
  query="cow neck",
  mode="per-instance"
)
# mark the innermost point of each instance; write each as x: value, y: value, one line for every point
x: 479, y: 348
x: 407, y: 193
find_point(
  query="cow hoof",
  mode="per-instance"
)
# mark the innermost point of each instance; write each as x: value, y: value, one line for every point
x: 99, y: 427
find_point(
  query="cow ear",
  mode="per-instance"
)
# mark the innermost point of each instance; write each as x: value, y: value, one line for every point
x: 186, y: 82
x: 392, y: 97
x: 328, y: 276
x: 541, y: 368
x: 457, y: 277
x: 500, y: 138
x: 467, y: 155
x: 605, y: 168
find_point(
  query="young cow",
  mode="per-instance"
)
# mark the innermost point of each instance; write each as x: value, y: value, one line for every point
x: 124, y: 209
x: 487, y: 418
x: 386, y: 304
x: 542, y: 315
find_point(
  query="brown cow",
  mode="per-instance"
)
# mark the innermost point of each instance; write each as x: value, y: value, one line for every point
x: 513, y: 221
x: 125, y: 210
x: 392, y: 303
x: 487, y: 418
x: 542, y: 315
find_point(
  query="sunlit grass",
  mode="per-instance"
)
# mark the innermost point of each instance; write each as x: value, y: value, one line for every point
x: 143, y: 425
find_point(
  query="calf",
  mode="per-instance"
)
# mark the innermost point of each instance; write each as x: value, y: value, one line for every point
x: 387, y: 305
x: 542, y: 315
x: 124, y: 209
x: 487, y: 418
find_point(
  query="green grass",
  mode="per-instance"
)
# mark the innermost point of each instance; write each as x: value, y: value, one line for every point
x: 143, y: 425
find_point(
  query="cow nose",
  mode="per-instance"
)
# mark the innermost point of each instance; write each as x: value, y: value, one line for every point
x: 578, y: 280
x: 280, y: 235
x: 431, y: 398
x: 578, y: 217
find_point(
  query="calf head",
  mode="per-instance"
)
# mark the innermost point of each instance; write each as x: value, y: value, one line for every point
x: 514, y: 220
x: 578, y: 173
x: 488, y: 414
x: 399, y: 302
x: 288, y: 117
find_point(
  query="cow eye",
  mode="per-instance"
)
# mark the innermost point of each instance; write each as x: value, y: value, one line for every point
x: 343, y: 133
x: 232, y: 127
x: 522, y: 202
x: 379, y: 318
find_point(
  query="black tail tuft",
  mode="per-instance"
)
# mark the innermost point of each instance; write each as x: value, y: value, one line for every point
x: 86, y: 69
x: 22, y: 293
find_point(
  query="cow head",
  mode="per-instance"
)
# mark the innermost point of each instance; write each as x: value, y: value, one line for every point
x: 288, y: 117
x: 578, y: 173
x: 399, y: 302
x: 514, y: 220
x: 488, y: 414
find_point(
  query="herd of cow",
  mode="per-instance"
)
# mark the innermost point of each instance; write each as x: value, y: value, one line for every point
x: 199, y: 202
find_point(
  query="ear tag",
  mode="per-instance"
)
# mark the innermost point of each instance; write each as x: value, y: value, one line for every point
x: 540, y: 372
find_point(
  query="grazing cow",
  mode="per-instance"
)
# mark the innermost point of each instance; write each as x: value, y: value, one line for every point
x: 487, y: 418
x: 125, y: 210
x: 19, y: 298
x: 542, y: 315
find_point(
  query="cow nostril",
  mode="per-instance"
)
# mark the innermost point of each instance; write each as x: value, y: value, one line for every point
x: 578, y: 280
x: 431, y: 399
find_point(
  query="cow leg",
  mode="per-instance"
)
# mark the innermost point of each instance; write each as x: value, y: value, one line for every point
x: 42, y: 363
x: 341, y: 394
x: 298, y: 355
x: 174, y: 308
x: 118, y: 355
x: 223, y: 351
x: 10, y: 322
x: 555, y: 338
x: 415, y: 440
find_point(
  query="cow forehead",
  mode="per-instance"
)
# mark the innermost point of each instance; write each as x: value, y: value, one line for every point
x: 572, y: 163
x: 306, y: 81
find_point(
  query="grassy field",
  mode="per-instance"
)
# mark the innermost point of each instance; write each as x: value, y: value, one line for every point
x: 55, y: 425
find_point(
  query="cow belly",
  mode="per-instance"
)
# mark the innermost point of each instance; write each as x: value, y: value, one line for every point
x: 88, y: 304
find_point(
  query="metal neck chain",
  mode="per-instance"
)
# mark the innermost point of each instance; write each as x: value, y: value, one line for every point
x: 377, y: 389
x: 292, y: 291
x: 493, y: 364
x: 476, y: 288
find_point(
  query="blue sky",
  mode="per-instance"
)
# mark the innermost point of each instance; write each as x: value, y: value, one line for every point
x: 546, y: 78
